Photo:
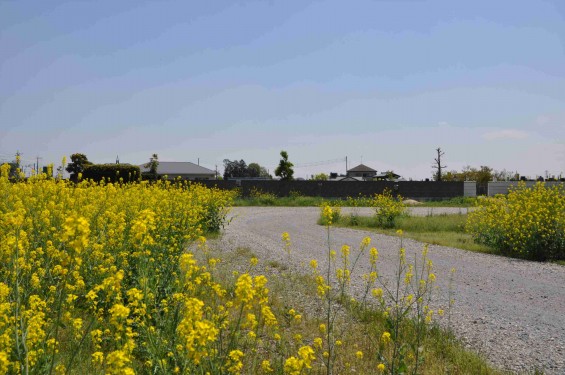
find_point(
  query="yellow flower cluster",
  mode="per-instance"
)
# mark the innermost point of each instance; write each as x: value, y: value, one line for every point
x: 527, y: 223
x: 297, y: 365
x: 330, y: 214
x: 387, y: 208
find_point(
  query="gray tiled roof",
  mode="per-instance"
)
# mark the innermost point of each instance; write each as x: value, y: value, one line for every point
x: 361, y: 168
x: 179, y: 167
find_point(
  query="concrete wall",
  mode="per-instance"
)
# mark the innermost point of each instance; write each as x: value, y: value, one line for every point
x: 502, y: 187
x: 422, y: 190
x: 469, y: 189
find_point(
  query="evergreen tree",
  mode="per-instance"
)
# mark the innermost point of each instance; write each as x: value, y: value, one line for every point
x: 284, y: 169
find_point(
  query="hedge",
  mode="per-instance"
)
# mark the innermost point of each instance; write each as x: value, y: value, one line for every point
x: 112, y: 172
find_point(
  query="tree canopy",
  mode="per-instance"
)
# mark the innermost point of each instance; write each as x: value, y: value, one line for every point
x: 239, y: 168
x: 320, y: 177
x: 255, y: 170
x: 284, y: 169
x: 482, y: 174
x: 78, y: 163
x: 235, y: 169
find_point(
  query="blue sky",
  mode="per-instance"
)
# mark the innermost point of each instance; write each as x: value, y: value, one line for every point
x: 382, y: 82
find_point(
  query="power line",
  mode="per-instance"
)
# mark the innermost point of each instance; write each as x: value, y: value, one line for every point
x: 317, y: 163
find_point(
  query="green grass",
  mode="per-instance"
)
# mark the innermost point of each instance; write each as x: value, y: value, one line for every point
x: 452, y: 202
x: 445, y: 230
x: 269, y: 200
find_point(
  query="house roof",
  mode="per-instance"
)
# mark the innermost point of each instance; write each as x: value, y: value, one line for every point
x: 345, y: 178
x: 178, y: 167
x: 361, y: 168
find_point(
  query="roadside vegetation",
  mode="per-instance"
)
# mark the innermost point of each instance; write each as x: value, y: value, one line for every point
x: 390, y: 329
x: 527, y: 223
x: 271, y: 200
x: 443, y: 229
x: 295, y: 199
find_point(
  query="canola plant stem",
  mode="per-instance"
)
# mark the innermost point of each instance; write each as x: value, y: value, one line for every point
x: 397, y: 312
x: 328, y: 316
x: 75, y: 352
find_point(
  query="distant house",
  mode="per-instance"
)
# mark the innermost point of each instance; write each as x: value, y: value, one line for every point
x: 182, y: 169
x: 362, y: 171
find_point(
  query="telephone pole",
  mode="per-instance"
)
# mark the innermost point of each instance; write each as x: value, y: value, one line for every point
x: 37, y: 158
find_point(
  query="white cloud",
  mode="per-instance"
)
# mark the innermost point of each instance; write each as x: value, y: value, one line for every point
x: 505, y: 134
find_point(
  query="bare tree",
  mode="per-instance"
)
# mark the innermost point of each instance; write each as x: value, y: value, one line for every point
x: 437, y: 166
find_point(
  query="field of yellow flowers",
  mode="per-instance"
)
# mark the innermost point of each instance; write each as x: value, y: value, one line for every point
x: 99, y: 279
x: 527, y: 223
x: 96, y: 279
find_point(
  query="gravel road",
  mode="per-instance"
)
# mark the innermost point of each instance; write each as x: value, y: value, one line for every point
x: 511, y: 311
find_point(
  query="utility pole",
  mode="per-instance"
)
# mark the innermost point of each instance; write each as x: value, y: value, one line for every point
x: 198, y: 161
x: 346, y: 164
x: 216, y: 171
x: 37, y: 158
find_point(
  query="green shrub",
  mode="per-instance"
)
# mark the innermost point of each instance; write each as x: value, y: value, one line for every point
x: 527, y: 223
x: 111, y: 172
x: 295, y: 194
x: 262, y: 198
x: 355, y: 204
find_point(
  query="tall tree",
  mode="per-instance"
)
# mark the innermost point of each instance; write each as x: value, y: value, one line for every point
x: 284, y: 169
x: 235, y: 169
x: 78, y: 163
x: 255, y: 170
x: 438, y: 166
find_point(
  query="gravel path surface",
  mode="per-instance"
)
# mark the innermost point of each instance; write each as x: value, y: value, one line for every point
x: 511, y: 311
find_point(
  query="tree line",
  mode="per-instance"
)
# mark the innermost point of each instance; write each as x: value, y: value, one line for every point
x: 239, y: 169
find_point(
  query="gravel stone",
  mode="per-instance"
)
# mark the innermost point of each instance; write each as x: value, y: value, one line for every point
x: 510, y: 311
